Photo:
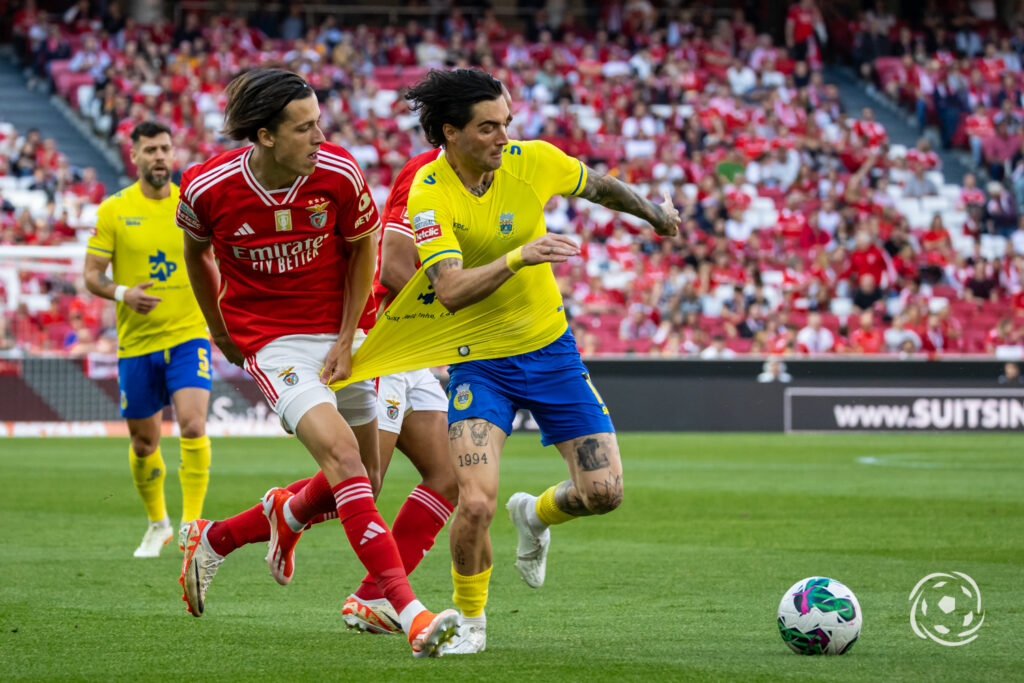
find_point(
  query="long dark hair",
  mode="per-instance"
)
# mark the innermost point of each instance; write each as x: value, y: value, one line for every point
x: 448, y: 97
x: 257, y: 99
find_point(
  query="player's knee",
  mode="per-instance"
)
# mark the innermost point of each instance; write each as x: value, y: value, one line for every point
x: 144, y: 444
x: 476, y: 508
x: 192, y: 428
x: 342, y: 459
x: 443, y: 483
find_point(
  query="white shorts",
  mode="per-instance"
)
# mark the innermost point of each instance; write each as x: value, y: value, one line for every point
x: 287, y: 371
x: 405, y: 392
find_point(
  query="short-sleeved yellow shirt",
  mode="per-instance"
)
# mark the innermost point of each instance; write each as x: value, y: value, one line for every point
x: 140, y: 238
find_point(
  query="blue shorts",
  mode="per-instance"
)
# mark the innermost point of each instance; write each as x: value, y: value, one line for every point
x: 551, y: 382
x: 147, y: 382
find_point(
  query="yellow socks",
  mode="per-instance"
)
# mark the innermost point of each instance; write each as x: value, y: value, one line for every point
x: 470, y: 594
x: 149, y: 473
x: 194, y: 473
x: 548, y: 512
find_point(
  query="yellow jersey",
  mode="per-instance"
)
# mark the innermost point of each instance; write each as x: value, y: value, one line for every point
x: 140, y: 238
x: 450, y: 221
x: 523, y: 314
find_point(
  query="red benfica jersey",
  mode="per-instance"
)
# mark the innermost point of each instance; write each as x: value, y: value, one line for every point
x: 396, y: 214
x: 282, y: 253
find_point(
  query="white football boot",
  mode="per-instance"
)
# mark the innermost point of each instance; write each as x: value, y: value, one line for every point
x: 158, y: 534
x: 198, y: 568
x: 532, y: 550
x: 470, y: 638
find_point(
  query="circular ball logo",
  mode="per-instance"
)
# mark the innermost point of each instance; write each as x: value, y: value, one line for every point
x: 291, y: 379
x: 946, y: 608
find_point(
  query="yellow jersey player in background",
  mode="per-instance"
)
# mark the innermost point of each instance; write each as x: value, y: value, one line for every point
x: 478, y: 217
x: 163, y: 348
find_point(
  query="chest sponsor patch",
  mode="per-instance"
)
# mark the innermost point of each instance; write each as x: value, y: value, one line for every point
x: 427, y: 233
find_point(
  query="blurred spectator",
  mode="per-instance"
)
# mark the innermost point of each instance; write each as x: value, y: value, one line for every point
x: 717, y: 350
x: 866, y: 338
x: 867, y: 294
x: 898, y: 339
x: 774, y: 370
x: 293, y: 26
x: 814, y: 338
x: 998, y: 149
x: 1011, y: 375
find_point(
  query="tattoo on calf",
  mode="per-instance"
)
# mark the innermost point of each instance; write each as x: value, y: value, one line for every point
x: 459, y: 556
x: 479, y: 431
x: 568, y: 500
x: 589, y: 455
x: 607, y: 494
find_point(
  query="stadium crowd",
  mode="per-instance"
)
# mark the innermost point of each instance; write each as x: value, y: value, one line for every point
x: 806, y: 230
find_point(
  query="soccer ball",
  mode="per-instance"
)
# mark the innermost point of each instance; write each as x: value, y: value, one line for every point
x: 819, y: 616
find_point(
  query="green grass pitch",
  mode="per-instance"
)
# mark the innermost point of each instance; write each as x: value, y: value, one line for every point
x: 681, y: 583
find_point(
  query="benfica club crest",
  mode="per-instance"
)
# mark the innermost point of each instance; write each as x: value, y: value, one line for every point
x: 392, y: 409
x: 318, y: 215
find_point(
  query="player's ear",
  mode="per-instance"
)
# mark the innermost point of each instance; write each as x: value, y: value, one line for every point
x: 449, y: 131
x: 265, y: 137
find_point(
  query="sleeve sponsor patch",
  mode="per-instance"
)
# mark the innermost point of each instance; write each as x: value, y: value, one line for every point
x: 427, y: 233
x: 186, y: 218
x: 423, y: 219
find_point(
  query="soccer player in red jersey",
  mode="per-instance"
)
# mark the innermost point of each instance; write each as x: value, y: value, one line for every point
x: 411, y: 413
x: 289, y: 217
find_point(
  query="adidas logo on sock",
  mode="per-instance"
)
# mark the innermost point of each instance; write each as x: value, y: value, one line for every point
x: 372, y: 531
x: 244, y: 230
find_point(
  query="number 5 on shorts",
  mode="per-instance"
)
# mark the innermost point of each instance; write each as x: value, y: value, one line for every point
x: 204, y: 364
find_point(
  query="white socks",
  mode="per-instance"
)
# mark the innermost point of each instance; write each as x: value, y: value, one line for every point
x: 409, y: 613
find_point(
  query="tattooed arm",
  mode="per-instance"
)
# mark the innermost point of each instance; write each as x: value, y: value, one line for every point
x: 616, y: 195
x: 458, y: 287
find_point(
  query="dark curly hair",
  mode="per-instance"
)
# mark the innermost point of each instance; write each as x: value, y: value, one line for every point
x: 448, y: 97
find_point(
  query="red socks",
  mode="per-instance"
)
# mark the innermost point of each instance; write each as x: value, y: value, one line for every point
x: 388, y: 556
x: 314, y: 498
x: 247, y: 527
x: 419, y: 521
x: 372, y: 541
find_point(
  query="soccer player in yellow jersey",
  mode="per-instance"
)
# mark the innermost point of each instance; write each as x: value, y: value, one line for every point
x: 163, y: 348
x: 478, y: 217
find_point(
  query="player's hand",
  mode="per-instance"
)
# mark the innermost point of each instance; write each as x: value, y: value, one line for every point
x: 549, y: 248
x: 669, y: 225
x: 338, y: 364
x: 230, y: 350
x: 136, y: 298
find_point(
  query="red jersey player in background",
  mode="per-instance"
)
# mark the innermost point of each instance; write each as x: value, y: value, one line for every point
x: 289, y: 217
x: 411, y: 413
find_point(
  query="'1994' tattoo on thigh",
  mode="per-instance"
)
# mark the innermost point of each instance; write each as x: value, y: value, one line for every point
x: 589, y: 456
x: 472, y: 459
